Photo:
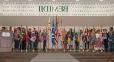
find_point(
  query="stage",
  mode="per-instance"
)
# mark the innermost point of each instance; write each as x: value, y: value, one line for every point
x: 56, y: 57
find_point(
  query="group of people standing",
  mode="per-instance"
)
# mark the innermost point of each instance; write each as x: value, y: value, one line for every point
x: 25, y: 39
x: 86, y: 40
x: 91, y: 39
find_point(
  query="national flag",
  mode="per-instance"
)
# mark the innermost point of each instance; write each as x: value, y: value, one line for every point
x: 74, y: 38
x: 60, y: 35
x: 49, y: 33
x: 57, y: 31
x: 53, y: 29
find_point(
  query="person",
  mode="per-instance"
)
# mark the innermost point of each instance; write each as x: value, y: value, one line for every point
x: 33, y: 40
x: 65, y: 38
x: 24, y: 38
x: 20, y: 38
x: 81, y: 43
x: 85, y: 39
x: 70, y: 39
x: 76, y: 42
x: 16, y: 39
x: 6, y: 40
x: 105, y: 39
x: 37, y: 39
x: 99, y: 44
x: 29, y: 37
x: 44, y: 36
x: 111, y: 39
x: 93, y: 40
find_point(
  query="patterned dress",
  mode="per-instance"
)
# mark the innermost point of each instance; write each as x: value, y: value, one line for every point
x: 98, y: 44
x: 81, y: 43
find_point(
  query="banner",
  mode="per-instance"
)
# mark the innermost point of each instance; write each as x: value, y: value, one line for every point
x: 56, y: 9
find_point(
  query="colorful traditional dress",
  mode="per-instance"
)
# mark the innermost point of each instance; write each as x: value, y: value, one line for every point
x: 98, y: 44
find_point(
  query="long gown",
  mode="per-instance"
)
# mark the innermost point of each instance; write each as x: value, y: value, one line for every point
x: 98, y: 44
x: 81, y: 43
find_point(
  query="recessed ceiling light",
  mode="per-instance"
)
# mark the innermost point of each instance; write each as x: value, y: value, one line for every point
x: 6, y: 0
x: 77, y: 0
x: 53, y: 0
x: 29, y: 0
x: 100, y: 0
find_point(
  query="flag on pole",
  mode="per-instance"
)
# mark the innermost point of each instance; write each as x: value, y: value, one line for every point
x: 74, y: 38
x: 60, y: 34
x: 49, y: 33
x: 53, y: 29
x: 57, y: 32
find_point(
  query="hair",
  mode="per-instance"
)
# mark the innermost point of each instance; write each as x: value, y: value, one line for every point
x: 3, y: 28
x: 111, y: 28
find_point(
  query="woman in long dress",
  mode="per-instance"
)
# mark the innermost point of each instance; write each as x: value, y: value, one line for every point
x: 81, y: 43
x: 99, y: 43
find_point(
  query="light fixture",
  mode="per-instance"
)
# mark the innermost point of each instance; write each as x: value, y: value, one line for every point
x: 29, y: 0
x: 101, y: 0
x: 53, y: 0
x: 6, y: 0
x: 77, y: 0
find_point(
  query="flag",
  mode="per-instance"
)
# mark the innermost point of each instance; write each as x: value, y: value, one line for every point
x: 49, y: 33
x: 57, y: 32
x: 60, y: 35
x: 53, y: 29
x: 74, y: 38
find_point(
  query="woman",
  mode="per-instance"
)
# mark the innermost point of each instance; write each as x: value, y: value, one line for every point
x: 70, y: 39
x: 98, y: 44
x: 81, y: 43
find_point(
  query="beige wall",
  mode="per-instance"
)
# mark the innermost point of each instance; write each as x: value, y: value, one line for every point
x: 66, y: 20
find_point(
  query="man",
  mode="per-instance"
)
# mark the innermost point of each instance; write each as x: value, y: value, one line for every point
x: 37, y: 38
x: 24, y: 38
x: 21, y: 45
x: 85, y: 38
x: 105, y: 39
x: 111, y: 39
x: 76, y: 42
x: 44, y: 36
x: 16, y: 39
x: 92, y: 39
x: 29, y: 41
x: 33, y: 39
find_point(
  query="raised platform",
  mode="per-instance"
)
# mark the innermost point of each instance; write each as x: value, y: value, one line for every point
x: 56, y: 57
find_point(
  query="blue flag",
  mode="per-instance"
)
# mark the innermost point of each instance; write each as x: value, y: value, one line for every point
x: 53, y: 29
